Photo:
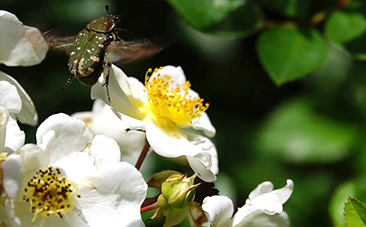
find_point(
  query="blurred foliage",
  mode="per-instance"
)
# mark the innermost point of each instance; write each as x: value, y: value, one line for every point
x: 237, y: 53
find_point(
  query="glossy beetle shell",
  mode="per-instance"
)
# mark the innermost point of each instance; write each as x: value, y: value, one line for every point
x: 103, y: 24
x: 87, y: 57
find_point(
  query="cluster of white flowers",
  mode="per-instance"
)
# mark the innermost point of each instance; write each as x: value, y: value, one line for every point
x: 75, y: 174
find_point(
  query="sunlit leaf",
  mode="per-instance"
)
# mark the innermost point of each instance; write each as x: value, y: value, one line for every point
x: 290, y: 53
x: 355, y: 213
x: 338, y: 200
x: 230, y: 18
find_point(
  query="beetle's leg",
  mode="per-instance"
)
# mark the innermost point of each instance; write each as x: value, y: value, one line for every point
x: 106, y: 68
x: 68, y: 82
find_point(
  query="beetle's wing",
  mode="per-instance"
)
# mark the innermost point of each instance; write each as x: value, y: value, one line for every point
x: 129, y: 51
x: 59, y: 43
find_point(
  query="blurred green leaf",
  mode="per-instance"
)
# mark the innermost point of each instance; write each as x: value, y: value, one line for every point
x: 355, y: 213
x: 291, y: 8
x: 296, y: 132
x: 334, y: 73
x: 290, y: 53
x: 230, y: 18
x: 348, y: 28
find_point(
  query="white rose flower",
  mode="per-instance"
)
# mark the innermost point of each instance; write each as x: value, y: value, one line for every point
x: 166, y: 109
x: 71, y: 179
x: 263, y: 208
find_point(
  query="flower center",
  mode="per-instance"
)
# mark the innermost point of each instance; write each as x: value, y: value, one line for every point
x: 48, y: 193
x: 173, y: 103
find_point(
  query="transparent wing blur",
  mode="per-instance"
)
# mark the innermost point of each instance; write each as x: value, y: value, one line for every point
x: 59, y: 43
x: 129, y: 51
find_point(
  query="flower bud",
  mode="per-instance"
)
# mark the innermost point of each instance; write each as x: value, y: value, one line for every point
x: 178, y: 190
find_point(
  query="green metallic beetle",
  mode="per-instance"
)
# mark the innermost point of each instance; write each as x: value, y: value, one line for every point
x: 96, y: 47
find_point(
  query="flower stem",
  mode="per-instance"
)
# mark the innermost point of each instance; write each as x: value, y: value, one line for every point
x: 149, y: 207
x: 142, y: 155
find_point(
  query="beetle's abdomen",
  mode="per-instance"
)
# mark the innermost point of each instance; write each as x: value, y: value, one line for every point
x: 87, y: 56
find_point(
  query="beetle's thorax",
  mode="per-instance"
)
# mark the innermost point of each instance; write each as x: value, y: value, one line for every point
x: 103, y: 24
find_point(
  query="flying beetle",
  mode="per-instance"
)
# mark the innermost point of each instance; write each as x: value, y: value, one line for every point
x: 96, y: 47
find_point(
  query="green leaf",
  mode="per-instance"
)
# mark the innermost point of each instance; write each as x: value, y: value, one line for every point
x: 290, y: 53
x: 230, y: 18
x: 347, y: 28
x: 354, y: 188
x: 290, y: 8
x: 355, y: 213
x: 295, y: 132
x: 336, y: 205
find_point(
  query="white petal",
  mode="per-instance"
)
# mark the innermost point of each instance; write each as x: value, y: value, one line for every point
x: 10, y: 98
x: 62, y: 135
x: 207, y: 146
x: 28, y: 114
x: 261, y: 219
x: 76, y: 166
x: 4, y: 119
x: 131, y: 122
x: 23, y: 218
x: 170, y: 144
x: 105, y: 122
x: 14, y: 138
x: 200, y: 152
x: 85, y: 116
x: 12, y: 175
x: 21, y: 45
x: 243, y: 213
x: 127, y: 94
x: 114, y: 197
x: 201, y: 164
x: 104, y: 150
x: 70, y: 219
x: 261, y: 189
x: 176, y: 74
x: 271, y: 203
x: 204, y: 124
x: 11, y: 219
x: 219, y: 210
x: 283, y: 194
x: 265, y: 200
x: 34, y: 158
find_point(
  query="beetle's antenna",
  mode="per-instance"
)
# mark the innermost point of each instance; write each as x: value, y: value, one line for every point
x: 68, y: 82
x: 107, y: 8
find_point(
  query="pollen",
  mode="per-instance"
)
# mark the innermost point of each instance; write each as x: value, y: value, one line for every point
x: 49, y: 193
x: 171, y: 102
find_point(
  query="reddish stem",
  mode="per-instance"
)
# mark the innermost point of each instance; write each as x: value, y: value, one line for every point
x: 149, y: 207
x: 143, y: 154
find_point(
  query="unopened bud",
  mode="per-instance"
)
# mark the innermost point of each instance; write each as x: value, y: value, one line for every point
x: 178, y: 190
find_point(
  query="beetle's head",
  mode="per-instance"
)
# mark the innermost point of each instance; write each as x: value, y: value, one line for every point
x: 116, y: 18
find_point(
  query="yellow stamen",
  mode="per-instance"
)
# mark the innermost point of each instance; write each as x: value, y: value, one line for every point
x: 172, y: 103
x: 49, y: 193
